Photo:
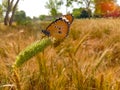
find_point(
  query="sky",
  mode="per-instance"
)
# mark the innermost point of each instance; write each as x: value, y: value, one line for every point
x: 33, y: 7
x: 37, y: 7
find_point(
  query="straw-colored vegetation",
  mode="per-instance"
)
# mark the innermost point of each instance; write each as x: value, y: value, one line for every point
x: 88, y: 59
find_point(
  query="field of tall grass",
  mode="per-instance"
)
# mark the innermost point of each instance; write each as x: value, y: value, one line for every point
x: 87, y: 59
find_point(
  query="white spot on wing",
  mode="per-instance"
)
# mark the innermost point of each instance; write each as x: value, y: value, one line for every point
x: 64, y: 18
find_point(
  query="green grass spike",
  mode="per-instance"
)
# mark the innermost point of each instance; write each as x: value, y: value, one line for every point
x: 31, y: 51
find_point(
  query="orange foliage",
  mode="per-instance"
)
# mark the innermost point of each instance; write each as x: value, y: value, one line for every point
x: 105, y: 7
x: 115, y: 13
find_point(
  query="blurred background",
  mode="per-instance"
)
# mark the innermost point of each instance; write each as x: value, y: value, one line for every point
x: 48, y: 9
x: 87, y: 59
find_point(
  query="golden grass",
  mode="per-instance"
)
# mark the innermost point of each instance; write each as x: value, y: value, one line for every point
x: 88, y: 59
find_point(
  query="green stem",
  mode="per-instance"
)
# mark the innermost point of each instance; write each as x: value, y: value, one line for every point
x: 31, y: 51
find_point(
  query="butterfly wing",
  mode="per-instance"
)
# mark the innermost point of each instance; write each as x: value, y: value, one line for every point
x: 68, y: 18
x: 58, y: 29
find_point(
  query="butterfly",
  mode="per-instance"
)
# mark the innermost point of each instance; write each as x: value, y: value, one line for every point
x: 59, y: 28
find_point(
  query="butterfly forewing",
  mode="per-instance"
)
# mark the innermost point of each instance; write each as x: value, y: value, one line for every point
x: 69, y: 17
x: 58, y: 29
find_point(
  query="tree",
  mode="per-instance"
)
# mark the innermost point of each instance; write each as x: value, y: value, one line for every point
x: 68, y: 4
x: 21, y: 18
x: 53, y: 6
x: 105, y: 7
x: 76, y: 12
x: 86, y: 13
x: 1, y: 13
x: 42, y: 17
x: 10, y: 6
x: 85, y: 5
x: 13, y: 12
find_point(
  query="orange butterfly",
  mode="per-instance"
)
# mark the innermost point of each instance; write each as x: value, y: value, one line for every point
x: 60, y: 27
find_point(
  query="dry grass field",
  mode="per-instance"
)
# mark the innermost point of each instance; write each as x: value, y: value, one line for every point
x: 88, y: 59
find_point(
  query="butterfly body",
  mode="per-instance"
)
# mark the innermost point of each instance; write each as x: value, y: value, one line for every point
x: 60, y: 27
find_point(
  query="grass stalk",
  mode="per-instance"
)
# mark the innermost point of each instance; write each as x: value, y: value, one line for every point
x: 80, y: 42
x: 31, y: 51
x: 16, y: 79
x: 100, y: 59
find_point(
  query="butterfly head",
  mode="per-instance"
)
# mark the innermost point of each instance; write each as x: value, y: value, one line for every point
x: 46, y: 32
